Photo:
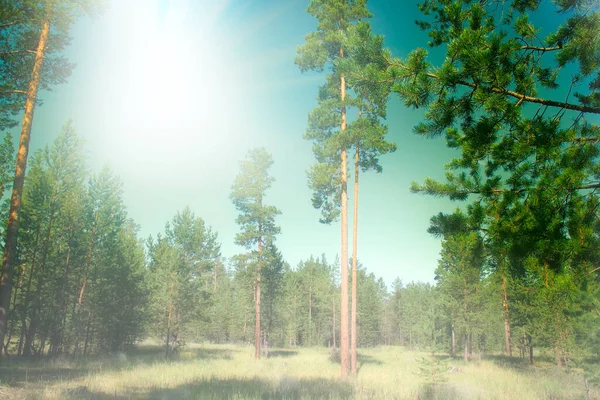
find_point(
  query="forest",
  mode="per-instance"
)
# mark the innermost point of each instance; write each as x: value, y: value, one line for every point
x: 515, y: 96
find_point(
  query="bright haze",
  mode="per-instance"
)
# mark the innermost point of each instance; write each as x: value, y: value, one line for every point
x: 171, y: 94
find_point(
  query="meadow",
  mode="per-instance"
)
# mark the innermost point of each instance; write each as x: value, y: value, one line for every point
x: 230, y: 372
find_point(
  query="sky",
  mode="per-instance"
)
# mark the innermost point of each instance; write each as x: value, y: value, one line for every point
x: 171, y: 95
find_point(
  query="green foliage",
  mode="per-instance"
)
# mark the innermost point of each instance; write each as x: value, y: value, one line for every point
x: 528, y: 157
x: 20, y: 26
x: 80, y: 281
x: 433, y: 369
x: 182, y: 264
x: 256, y: 219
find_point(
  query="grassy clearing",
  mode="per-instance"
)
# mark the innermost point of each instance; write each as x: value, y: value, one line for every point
x: 217, y: 372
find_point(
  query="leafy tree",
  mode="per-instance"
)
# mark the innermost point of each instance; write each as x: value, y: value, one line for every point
x: 367, y: 133
x: 182, y: 265
x: 326, y: 47
x: 26, y: 42
x: 459, y: 277
x: 256, y: 219
x: 527, y: 139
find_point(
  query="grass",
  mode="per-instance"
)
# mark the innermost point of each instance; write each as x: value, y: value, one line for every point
x: 230, y: 372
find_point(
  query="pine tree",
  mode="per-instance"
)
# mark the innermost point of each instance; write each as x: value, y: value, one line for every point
x: 528, y: 145
x: 19, y: 21
x: 182, y: 265
x: 256, y: 219
x: 325, y: 48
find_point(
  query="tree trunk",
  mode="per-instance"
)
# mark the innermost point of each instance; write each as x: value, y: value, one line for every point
x: 257, y: 304
x: 466, y: 355
x: 354, y: 260
x: 215, y: 280
x: 88, y: 263
x: 33, y: 324
x: 167, y: 341
x: 57, y: 337
x: 333, y: 307
x: 10, y: 249
x: 530, y: 345
x: 310, y: 316
x: 507, y: 346
x: 344, y: 356
x: 88, y: 334
x: 453, y: 351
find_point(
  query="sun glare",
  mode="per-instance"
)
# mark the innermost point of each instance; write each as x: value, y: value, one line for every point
x: 176, y: 81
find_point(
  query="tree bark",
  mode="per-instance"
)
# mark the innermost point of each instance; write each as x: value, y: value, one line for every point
x: 354, y: 261
x: 10, y: 249
x: 453, y: 351
x: 310, y: 316
x: 344, y: 339
x: 333, y: 307
x: 507, y: 346
x: 530, y: 345
x: 257, y: 304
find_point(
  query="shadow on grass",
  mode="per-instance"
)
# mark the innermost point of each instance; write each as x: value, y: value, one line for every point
x: 151, y: 354
x: 282, y: 353
x: 517, y: 363
x: 21, y: 375
x: 288, y: 388
x: 439, y: 391
x: 364, y: 360
x: 33, y: 371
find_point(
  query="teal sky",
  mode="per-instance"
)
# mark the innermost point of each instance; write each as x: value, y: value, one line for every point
x: 171, y: 94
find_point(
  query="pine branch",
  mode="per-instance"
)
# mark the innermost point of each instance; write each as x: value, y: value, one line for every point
x: 9, y: 24
x: 584, y: 140
x: 542, y: 49
x: 15, y: 91
x: 521, y: 97
x: 10, y: 53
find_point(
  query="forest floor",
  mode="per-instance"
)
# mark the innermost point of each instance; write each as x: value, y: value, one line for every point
x: 230, y: 372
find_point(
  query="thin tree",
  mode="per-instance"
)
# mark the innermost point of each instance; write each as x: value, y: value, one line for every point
x: 37, y: 17
x: 367, y: 132
x: 329, y: 177
x: 256, y: 219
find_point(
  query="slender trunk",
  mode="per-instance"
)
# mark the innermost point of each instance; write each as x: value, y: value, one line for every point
x: 10, y: 249
x: 167, y: 342
x: 88, y: 263
x: 530, y: 345
x: 33, y: 324
x: 453, y: 351
x: 507, y: 346
x: 215, y: 280
x: 88, y: 334
x: 257, y: 303
x: 354, y: 260
x: 310, y: 316
x: 344, y: 356
x: 59, y: 333
x: 14, y: 302
x: 333, y: 307
x: 470, y: 345
x: 466, y: 320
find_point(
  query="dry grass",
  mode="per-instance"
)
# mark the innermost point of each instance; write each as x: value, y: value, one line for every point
x: 216, y: 372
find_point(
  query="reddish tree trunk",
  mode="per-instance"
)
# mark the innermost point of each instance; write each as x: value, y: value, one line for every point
x: 354, y: 262
x: 344, y: 334
x: 507, y: 346
x: 257, y: 304
x: 10, y: 249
